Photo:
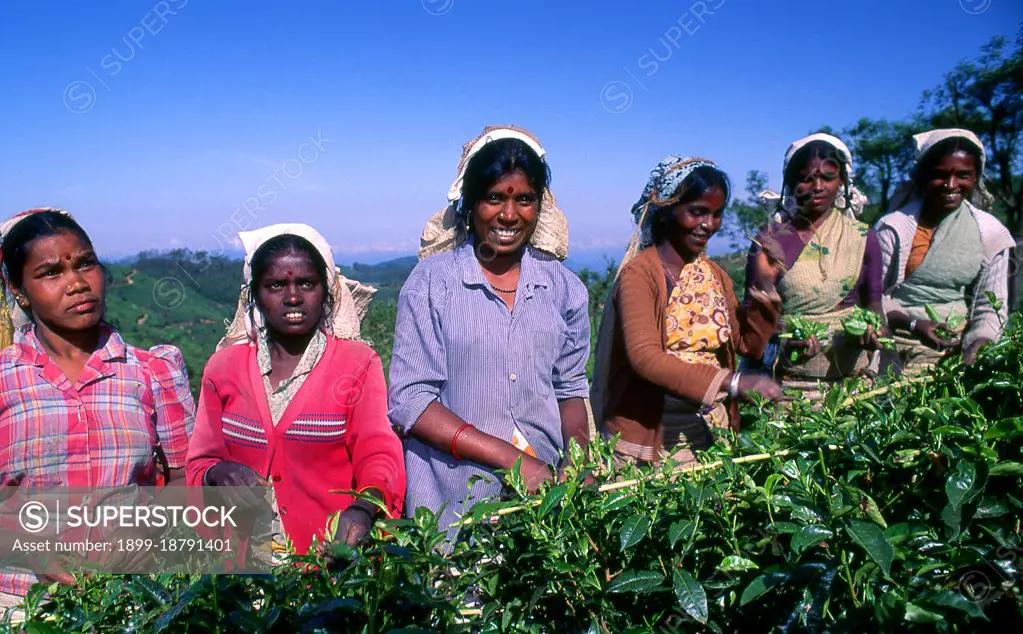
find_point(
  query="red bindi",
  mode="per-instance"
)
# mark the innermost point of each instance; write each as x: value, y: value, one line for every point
x: 290, y: 274
x: 67, y: 257
x: 510, y: 190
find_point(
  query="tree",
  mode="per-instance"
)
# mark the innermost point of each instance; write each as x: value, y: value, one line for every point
x: 748, y: 215
x: 883, y: 158
x: 986, y: 96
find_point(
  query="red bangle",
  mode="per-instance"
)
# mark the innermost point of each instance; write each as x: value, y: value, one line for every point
x: 454, y: 439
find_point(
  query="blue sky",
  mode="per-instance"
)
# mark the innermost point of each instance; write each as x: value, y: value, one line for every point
x: 177, y: 123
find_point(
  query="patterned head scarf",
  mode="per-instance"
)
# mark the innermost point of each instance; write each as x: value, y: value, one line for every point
x: 13, y: 318
x: 351, y: 299
x: 446, y: 229
x: 924, y: 143
x: 663, y: 188
x: 787, y: 205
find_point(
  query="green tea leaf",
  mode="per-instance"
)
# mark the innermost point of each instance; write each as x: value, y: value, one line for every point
x: 959, y: 487
x: 955, y: 601
x: 680, y: 530
x: 762, y: 585
x: 691, y: 596
x: 633, y: 531
x: 810, y: 536
x: 1007, y: 468
x: 735, y: 563
x: 917, y: 614
x: 638, y: 581
x: 1006, y: 428
x: 870, y: 537
x: 955, y: 321
x: 552, y: 499
x: 931, y: 313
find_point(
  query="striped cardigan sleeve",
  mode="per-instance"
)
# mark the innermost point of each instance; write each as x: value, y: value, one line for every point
x: 207, y: 446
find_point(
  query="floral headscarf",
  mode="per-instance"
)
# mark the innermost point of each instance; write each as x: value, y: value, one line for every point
x: 663, y: 188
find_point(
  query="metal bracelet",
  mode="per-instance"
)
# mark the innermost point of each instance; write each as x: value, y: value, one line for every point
x: 912, y: 326
x: 733, y: 385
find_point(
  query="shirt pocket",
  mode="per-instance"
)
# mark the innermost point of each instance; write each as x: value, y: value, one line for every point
x: 544, y: 350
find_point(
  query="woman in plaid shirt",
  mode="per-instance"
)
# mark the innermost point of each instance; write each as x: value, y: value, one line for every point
x: 78, y: 406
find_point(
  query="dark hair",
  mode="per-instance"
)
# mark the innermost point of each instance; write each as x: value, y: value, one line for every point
x: 693, y: 187
x: 493, y: 161
x: 940, y: 150
x: 814, y: 149
x: 284, y: 244
x: 19, y: 239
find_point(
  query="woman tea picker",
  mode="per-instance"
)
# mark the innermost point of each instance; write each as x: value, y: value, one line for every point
x: 824, y: 263
x: 78, y: 406
x: 941, y: 250
x: 292, y: 402
x: 666, y: 363
x: 492, y: 334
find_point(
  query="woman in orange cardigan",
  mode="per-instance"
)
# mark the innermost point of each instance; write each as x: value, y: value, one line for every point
x: 672, y: 328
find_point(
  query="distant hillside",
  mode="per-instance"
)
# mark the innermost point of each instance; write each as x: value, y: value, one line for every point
x: 185, y: 298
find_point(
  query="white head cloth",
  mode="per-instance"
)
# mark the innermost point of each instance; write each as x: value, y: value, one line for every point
x: 18, y: 318
x: 924, y: 143
x: 789, y: 205
x: 351, y: 299
x: 446, y: 229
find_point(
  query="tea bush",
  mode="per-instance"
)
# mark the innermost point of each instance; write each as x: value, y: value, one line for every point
x: 895, y: 511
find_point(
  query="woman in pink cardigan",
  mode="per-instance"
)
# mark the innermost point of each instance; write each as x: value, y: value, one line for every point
x: 294, y: 407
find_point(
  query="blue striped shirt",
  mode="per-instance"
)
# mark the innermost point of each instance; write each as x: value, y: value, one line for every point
x: 456, y: 341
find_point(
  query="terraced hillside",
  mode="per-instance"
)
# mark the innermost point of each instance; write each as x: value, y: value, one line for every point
x: 185, y: 299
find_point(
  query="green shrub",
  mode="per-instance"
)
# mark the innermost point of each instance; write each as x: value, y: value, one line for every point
x: 898, y: 511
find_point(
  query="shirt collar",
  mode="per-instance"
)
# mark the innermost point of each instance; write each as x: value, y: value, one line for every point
x: 305, y: 364
x: 111, y: 348
x: 531, y: 274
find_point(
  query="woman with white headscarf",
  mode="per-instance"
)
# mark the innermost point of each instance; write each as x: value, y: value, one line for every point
x: 492, y: 334
x: 823, y: 261
x: 666, y: 369
x: 940, y: 249
x: 298, y: 404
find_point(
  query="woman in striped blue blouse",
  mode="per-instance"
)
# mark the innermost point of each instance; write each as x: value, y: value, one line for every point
x: 492, y: 335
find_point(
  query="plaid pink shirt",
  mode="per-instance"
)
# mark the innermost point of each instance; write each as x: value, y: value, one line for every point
x: 99, y: 432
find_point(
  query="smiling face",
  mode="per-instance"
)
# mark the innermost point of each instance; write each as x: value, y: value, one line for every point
x: 818, y: 186
x: 692, y: 224
x: 290, y: 294
x: 950, y: 181
x: 506, y: 215
x: 64, y: 283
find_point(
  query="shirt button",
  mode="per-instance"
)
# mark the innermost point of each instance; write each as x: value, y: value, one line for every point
x: 513, y: 376
x: 277, y: 477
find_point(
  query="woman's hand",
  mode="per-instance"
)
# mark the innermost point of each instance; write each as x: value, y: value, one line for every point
x: 55, y: 570
x: 355, y: 523
x: 970, y: 354
x: 767, y: 388
x: 244, y: 482
x: 534, y: 473
x: 929, y: 333
x: 767, y: 267
x: 807, y: 348
x: 871, y: 340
